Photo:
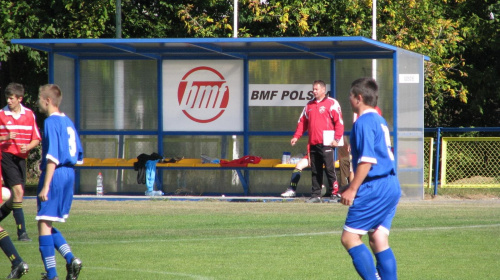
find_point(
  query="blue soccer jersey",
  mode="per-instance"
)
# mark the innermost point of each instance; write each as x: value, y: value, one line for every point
x: 60, y: 142
x: 371, y: 143
x: 375, y: 203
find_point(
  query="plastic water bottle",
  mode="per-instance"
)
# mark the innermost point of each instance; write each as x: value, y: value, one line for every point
x: 286, y: 158
x: 99, y: 189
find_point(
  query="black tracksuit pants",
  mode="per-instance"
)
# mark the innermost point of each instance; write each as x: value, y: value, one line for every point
x: 322, y: 155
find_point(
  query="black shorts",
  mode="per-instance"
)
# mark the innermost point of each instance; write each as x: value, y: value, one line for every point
x: 13, y: 170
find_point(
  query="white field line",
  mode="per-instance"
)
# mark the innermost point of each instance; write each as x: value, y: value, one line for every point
x: 336, y: 232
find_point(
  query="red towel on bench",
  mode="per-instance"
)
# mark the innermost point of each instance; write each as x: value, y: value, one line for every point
x: 241, y: 162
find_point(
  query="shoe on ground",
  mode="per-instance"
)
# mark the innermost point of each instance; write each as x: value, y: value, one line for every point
x: 335, y: 198
x: 314, y: 200
x: 18, y: 271
x: 24, y: 237
x: 288, y: 193
x: 73, y: 269
x: 44, y: 277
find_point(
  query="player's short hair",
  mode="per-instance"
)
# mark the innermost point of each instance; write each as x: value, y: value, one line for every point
x: 320, y: 82
x: 14, y: 89
x: 367, y: 88
x: 53, y: 92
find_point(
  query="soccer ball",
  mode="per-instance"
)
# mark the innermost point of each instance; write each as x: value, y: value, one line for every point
x: 323, y: 190
x: 5, y: 194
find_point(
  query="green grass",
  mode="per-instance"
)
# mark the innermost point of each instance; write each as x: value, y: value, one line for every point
x: 445, y: 239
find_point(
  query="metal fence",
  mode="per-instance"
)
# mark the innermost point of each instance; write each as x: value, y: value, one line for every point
x: 462, y: 162
x: 470, y: 162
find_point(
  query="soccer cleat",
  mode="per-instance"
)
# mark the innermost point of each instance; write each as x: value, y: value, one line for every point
x: 24, y: 237
x: 44, y: 277
x: 73, y: 269
x: 335, y: 190
x: 288, y: 193
x: 314, y: 200
x: 18, y: 271
x: 335, y: 198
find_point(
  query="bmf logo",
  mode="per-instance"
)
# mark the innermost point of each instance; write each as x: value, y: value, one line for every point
x: 203, y: 94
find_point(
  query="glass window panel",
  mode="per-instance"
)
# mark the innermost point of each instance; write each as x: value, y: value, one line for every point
x: 64, y: 76
x: 133, y: 108
x: 283, y: 72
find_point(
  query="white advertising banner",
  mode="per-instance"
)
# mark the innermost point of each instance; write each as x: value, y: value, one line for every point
x: 202, y: 96
x: 280, y: 94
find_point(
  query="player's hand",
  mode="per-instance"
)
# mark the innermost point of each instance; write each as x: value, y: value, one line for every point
x: 44, y: 194
x: 24, y: 149
x: 348, y: 197
x: 293, y: 141
x: 12, y: 135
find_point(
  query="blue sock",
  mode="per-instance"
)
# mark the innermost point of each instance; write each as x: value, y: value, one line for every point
x: 386, y: 265
x: 46, y: 247
x: 9, y: 249
x: 363, y: 262
x: 61, y: 245
x: 17, y: 211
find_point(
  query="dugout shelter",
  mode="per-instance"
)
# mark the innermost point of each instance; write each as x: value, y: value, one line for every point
x: 224, y: 98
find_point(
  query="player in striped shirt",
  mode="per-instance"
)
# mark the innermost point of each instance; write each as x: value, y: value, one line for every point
x: 18, y: 135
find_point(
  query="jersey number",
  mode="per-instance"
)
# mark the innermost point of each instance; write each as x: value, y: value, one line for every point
x: 72, y: 141
x: 387, y: 137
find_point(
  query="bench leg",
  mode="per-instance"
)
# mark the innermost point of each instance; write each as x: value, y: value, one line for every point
x: 243, y: 180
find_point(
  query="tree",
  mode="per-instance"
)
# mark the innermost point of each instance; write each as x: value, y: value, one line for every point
x: 44, y: 19
x: 482, y: 57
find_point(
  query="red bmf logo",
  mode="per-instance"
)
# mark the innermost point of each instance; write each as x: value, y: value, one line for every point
x: 203, y: 94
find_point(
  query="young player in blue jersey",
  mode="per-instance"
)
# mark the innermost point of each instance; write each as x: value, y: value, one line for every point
x: 374, y: 192
x: 61, y: 150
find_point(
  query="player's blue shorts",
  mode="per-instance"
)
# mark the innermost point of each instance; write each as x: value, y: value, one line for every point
x: 57, y: 207
x: 374, y: 206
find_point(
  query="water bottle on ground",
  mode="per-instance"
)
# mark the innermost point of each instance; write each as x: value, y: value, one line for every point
x: 99, y: 189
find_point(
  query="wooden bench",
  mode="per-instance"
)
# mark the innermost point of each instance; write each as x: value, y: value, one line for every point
x: 190, y: 164
x: 187, y: 162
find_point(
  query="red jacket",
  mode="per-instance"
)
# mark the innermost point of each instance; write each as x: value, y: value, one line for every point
x: 24, y: 125
x: 318, y: 116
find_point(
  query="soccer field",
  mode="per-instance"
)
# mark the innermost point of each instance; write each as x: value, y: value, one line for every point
x: 443, y: 239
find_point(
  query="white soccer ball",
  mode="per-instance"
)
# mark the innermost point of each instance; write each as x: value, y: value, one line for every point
x: 5, y: 194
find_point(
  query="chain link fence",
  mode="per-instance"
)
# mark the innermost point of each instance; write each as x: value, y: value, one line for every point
x: 470, y: 162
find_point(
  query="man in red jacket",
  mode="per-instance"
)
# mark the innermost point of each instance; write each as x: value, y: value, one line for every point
x: 321, y: 114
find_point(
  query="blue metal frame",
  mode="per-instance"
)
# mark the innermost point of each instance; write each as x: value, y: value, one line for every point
x: 215, y: 48
x: 395, y: 72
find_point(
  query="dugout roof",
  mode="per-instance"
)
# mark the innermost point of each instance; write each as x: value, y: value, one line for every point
x: 215, y: 48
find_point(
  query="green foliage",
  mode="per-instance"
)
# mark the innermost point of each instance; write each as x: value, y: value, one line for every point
x: 424, y: 27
